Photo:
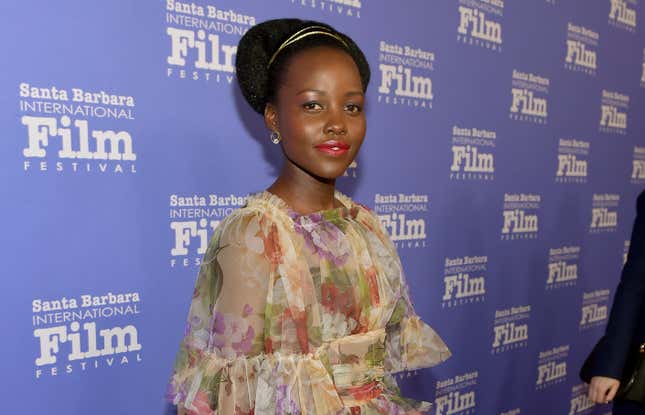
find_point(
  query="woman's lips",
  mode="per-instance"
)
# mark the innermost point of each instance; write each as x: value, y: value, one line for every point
x: 333, y: 147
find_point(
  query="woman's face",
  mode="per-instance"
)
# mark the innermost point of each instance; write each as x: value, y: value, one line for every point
x: 319, y: 111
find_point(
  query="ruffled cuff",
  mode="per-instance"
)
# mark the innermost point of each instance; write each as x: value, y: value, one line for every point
x: 262, y: 384
x: 412, y: 344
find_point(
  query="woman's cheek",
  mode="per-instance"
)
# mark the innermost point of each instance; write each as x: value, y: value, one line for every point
x: 313, y: 130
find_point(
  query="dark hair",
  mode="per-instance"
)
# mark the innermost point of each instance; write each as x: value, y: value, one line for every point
x: 260, y: 81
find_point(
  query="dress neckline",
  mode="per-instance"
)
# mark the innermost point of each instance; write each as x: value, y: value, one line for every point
x: 347, y: 205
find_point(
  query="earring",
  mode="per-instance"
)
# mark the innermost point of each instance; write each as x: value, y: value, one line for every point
x: 275, y: 137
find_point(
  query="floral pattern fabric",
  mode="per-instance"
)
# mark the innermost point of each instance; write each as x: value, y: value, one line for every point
x: 301, y: 314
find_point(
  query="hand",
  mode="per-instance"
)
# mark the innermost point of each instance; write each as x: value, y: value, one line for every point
x: 181, y: 410
x: 603, y: 389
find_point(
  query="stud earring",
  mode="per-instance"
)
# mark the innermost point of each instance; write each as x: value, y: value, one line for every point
x: 275, y: 137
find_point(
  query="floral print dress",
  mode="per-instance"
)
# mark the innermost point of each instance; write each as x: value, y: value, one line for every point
x: 301, y: 314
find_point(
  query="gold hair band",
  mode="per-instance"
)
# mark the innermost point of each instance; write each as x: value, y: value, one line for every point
x: 299, y: 35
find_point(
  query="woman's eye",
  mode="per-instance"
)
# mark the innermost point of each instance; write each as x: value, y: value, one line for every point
x: 312, y: 106
x: 353, y: 108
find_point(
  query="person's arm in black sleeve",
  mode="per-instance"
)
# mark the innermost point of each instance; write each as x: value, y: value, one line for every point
x: 611, y: 352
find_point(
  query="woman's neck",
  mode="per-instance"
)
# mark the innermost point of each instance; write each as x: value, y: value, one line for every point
x: 303, y: 192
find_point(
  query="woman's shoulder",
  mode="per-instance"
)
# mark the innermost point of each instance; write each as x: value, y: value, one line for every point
x: 248, y: 227
x: 250, y: 210
x: 369, y: 218
x: 263, y: 214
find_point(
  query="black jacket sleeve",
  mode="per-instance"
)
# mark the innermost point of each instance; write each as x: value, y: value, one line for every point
x: 609, y: 356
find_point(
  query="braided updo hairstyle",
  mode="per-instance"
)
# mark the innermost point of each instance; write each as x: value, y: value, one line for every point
x: 260, y: 66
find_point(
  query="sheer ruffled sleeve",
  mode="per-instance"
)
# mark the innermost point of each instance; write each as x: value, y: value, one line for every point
x: 223, y: 366
x: 410, y: 343
x: 225, y: 323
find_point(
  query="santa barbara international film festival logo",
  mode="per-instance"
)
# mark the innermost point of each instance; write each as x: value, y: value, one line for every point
x: 604, y: 213
x: 594, y: 309
x: 403, y: 217
x: 202, y: 41
x: 572, y: 163
x: 464, y: 280
x: 563, y: 267
x: 622, y: 14
x: 457, y: 395
x: 613, y: 112
x: 510, y: 329
x: 480, y: 23
x: 580, y: 402
x: 349, y: 8
x: 520, y: 216
x: 76, y: 130
x: 192, y: 222
x: 529, y: 97
x: 472, y: 154
x: 75, y: 334
x: 638, y: 165
x: 581, y: 49
x: 552, y: 367
x: 405, y: 75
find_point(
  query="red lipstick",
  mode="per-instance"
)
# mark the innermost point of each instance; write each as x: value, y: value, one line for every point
x: 333, y: 147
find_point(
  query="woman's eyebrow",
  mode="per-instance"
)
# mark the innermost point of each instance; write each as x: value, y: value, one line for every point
x: 318, y: 91
x: 311, y: 90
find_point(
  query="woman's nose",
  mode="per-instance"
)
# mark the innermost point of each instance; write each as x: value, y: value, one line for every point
x: 336, y: 123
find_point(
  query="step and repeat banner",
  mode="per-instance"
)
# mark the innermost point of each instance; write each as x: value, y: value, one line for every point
x: 504, y: 154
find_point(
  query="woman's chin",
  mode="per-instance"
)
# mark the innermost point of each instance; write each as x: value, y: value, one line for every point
x: 332, y: 174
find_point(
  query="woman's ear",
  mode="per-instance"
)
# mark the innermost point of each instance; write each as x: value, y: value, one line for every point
x: 271, y: 117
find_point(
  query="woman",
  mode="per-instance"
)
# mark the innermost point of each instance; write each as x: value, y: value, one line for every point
x: 625, y: 330
x: 300, y: 305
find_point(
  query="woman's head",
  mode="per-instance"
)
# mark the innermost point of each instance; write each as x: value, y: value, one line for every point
x: 308, y: 80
